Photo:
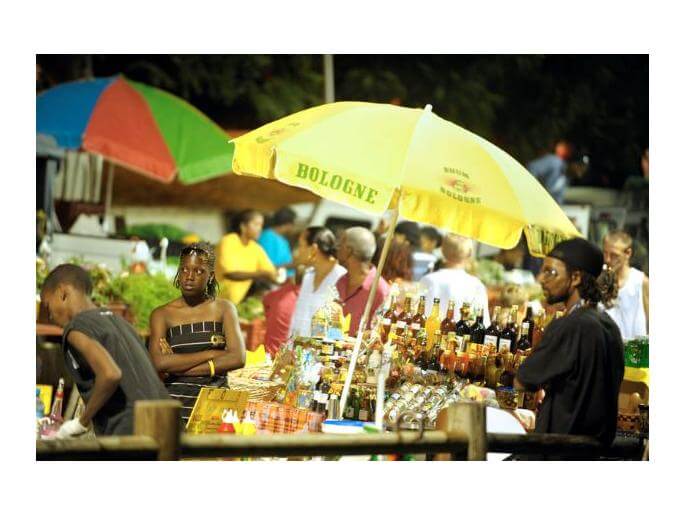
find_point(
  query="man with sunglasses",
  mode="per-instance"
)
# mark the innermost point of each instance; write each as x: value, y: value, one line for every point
x: 579, y: 363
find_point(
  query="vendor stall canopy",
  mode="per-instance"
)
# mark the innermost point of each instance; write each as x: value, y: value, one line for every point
x: 136, y: 126
x: 379, y: 156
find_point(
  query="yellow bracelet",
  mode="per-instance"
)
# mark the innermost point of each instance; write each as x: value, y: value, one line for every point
x: 211, y: 364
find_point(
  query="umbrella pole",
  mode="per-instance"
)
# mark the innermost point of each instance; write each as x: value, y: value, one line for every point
x: 368, y: 308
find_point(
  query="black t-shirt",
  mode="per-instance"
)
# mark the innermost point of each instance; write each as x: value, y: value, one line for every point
x: 139, y: 379
x: 580, y: 363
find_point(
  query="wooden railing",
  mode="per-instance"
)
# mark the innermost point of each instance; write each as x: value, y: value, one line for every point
x: 460, y: 434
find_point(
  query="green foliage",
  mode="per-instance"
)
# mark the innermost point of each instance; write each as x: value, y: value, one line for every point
x: 157, y: 231
x: 143, y: 293
x: 250, y: 309
x: 522, y: 103
x: 490, y: 272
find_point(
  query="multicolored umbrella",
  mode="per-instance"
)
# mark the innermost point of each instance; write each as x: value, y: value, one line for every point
x: 137, y: 126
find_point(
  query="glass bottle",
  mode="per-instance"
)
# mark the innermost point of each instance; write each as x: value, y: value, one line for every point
x: 389, y: 317
x: 478, y: 331
x: 492, y: 333
x: 507, y: 338
x: 404, y: 316
x: 462, y: 327
x: 56, y: 411
x: 419, y: 320
x: 448, y: 325
x: 433, y: 323
x: 524, y: 344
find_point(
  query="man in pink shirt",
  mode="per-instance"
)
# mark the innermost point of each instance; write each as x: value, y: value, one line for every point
x: 355, y: 251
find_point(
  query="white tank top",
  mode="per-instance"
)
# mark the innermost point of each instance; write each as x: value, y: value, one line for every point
x: 628, y: 312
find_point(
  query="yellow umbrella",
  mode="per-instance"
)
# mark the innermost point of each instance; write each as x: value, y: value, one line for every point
x: 377, y: 156
x: 360, y: 154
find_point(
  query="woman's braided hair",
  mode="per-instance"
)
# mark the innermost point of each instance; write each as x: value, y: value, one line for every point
x: 205, y: 250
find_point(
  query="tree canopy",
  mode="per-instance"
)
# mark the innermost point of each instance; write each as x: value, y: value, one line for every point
x: 522, y: 103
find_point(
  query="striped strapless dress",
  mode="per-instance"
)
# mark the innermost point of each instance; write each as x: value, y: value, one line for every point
x: 197, y: 337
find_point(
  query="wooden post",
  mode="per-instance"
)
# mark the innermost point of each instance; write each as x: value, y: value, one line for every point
x: 467, y: 419
x: 161, y: 420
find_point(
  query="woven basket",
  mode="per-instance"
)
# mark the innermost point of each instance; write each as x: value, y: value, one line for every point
x: 257, y: 390
x: 260, y: 372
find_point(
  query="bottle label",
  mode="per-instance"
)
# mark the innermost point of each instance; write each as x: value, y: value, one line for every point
x: 386, y: 321
x: 491, y: 340
x: 364, y: 416
x: 349, y: 412
x: 415, y: 326
x: 400, y: 324
x: 504, y: 345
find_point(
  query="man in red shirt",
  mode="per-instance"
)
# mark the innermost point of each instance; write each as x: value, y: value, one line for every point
x: 279, y: 306
x: 355, y: 251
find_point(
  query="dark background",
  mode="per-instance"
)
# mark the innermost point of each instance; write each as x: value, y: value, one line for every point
x: 522, y: 103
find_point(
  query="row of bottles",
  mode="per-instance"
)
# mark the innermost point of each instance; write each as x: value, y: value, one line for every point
x: 469, y: 327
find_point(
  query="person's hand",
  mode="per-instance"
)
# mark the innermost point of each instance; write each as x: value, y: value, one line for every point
x: 71, y: 429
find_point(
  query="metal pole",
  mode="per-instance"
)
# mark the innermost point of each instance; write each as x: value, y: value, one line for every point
x: 329, y: 95
x: 368, y: 307
x: 108, y: 197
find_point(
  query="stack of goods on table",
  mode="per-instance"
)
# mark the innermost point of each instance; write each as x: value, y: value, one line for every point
x: 633, y: 397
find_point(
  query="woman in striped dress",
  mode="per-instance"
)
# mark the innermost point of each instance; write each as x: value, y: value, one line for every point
x: 195, y: 339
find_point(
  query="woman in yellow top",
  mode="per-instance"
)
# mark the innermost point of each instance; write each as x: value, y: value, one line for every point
x: 240, y: 259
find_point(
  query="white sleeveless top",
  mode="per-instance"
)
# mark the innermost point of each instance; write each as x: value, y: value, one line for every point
x: 628, y: 312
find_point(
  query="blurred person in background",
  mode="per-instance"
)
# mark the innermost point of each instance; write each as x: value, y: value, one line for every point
x: 398, y: 269
x: 513, y: 261
x: 551, y: 170
x: 240, y: 260
x: 356, y: 249
x: 516, y: 295
x: 279, y: 305
x: 452, y: 282
x: 316, y: 254
x: 429, y: 252
x: 630, y: 309
x: 274, y: 239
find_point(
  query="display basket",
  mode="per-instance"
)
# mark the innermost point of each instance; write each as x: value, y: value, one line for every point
x: 258, y: 390
x: 260, y: 372
x: 273, y: 417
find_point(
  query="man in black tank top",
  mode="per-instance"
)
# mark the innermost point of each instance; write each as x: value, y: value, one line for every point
x: 102, y: 353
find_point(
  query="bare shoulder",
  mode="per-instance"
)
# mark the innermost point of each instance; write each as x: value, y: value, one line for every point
x: 161, y: 312
x: 226, y: 307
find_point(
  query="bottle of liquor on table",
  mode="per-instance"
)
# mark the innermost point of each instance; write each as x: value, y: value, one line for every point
x: 419, y: 320
x: 56, y: 411
x: 389, y: 317
x: 433, y: 323
x: 524, y: 344
x: 507, y: 338
x: 492, y: 333
x: 478, y: 331
x: 448, y: 324
x: 514, y: 315
x: 404, y: 317
x: 462, y: 327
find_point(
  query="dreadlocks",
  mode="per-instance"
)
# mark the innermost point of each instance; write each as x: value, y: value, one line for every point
x: 206, y: 251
